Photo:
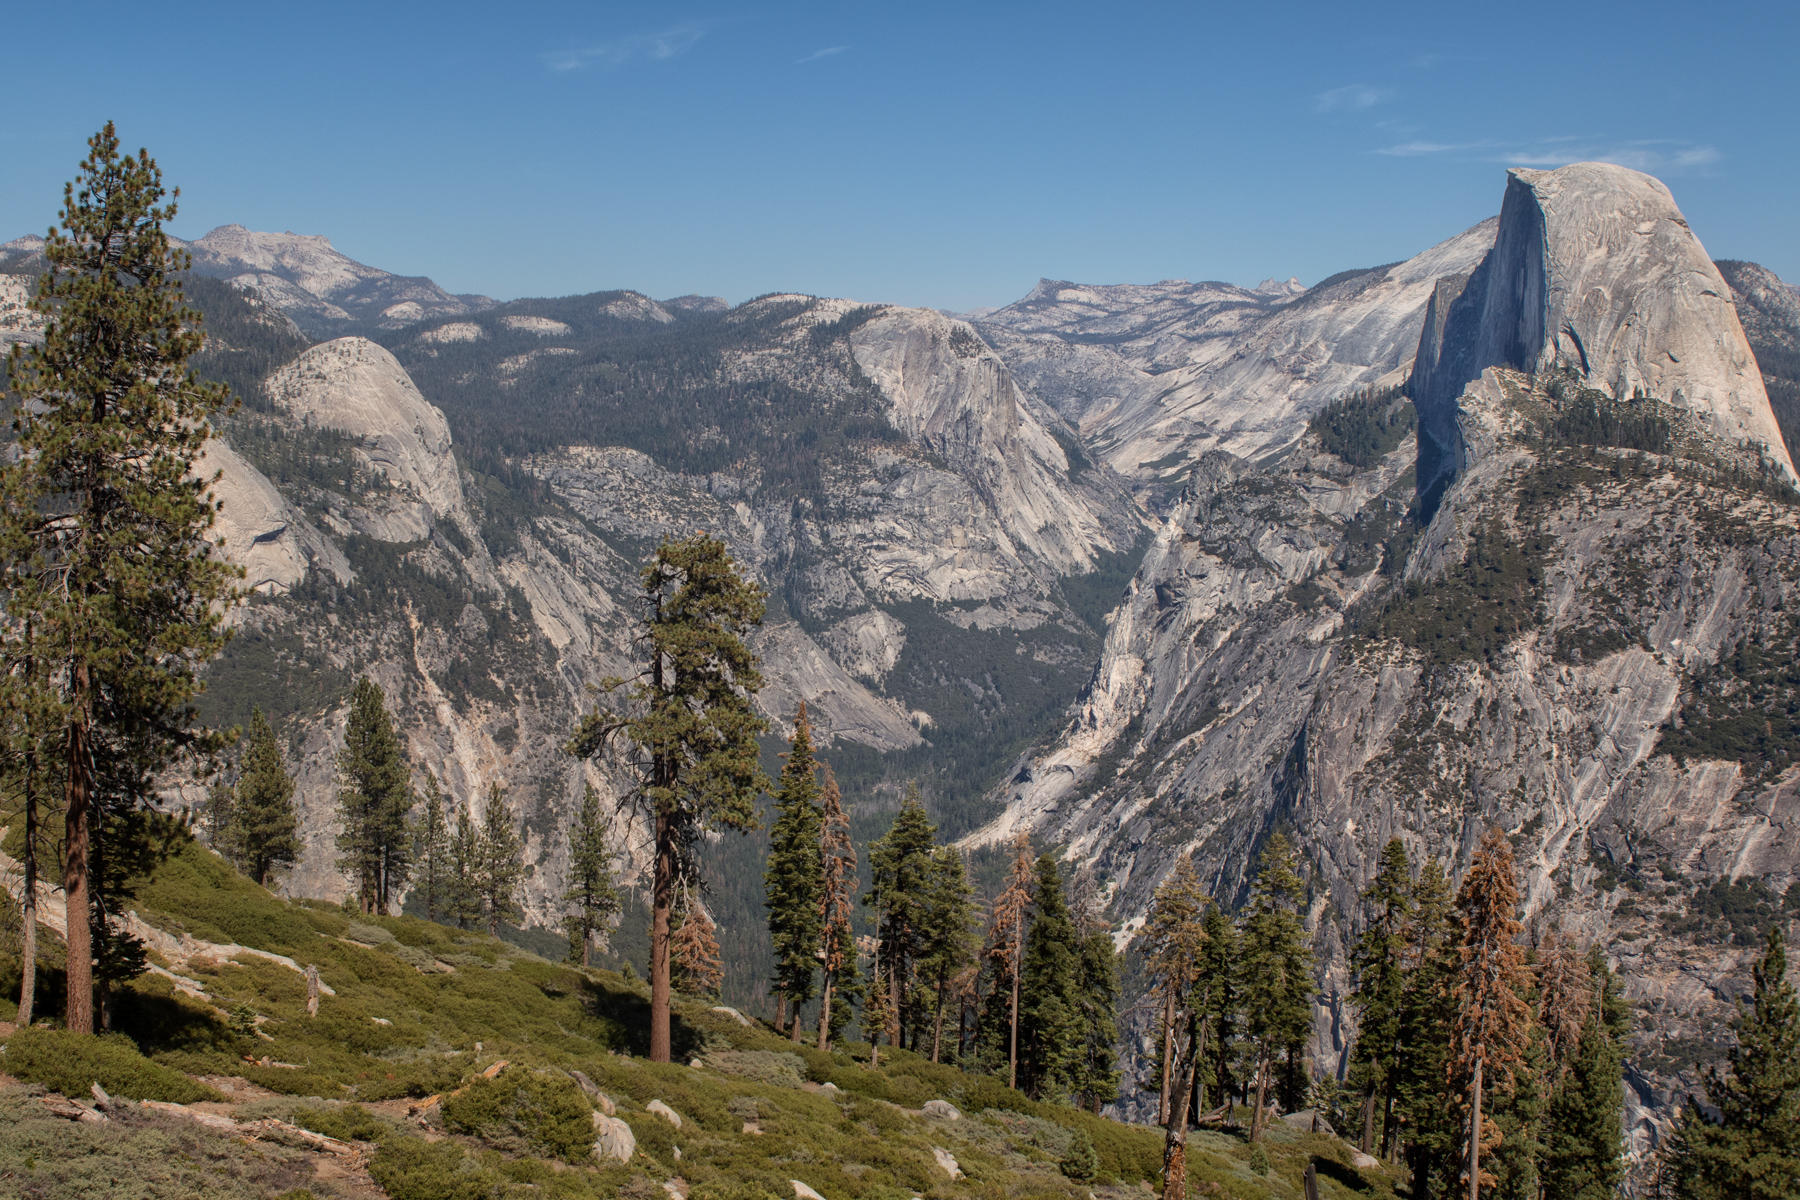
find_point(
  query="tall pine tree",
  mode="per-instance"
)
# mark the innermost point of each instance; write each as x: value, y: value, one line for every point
x: 432, y: 850
x: 691, y: 727
x: 108, y: 582
x: 592, y: 897
x: 374, y: 797
x: 500, y: 857
x: 1492, y: 1034
x: 1428, y: 1123
x: 837, y: 899
x: 1277, y: 974
x: 1583, y: 1143
x: 463, y: 890
x: 900, y: 877
x: 1003, y: 956
x: 1095, y: 1081
x: 263, y: 826
x: 1173, y: 938
x: 1049, y: 1007
x: 794, y: 878
x: 1752, y: 1151
x: 949, y: 942
x: 1378, y: 959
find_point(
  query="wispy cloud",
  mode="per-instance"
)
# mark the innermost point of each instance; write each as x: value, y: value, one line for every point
x: 816, y: 55
x: 1642, y: 154
x: 1352, y: 97
x: 616, y: 52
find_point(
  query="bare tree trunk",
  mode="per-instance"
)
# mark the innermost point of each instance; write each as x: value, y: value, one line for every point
x: 28, y: 860
x: 796, y: 1024
x: 937, y: 1022
x: 312, y: 990
x: 1168, y: 1065
x: 1262, y: 1092
x: 78, y: 796
x: 1012, y: 1074
x: 1175, y: 1136
x: 1367, y: 1140
x: 1475, y: 1134
x: 780, y: 1009
x: 825, y: 1011
x: 662, y: 902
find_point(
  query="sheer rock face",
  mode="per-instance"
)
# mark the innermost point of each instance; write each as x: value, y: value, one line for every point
x: 260, y: 530
x: 1593, y: 268
x: 355, y: 387
x: 1157, y: 375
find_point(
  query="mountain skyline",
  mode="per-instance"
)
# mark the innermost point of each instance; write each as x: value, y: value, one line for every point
x: 921, y: 157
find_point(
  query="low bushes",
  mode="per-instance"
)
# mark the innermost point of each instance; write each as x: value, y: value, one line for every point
x: 524, y: 1112
x: 70, y: 1063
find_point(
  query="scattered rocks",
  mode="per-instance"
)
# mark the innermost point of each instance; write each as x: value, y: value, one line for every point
x: 600, y: 1099
x: 658, y: 1108
x: 1364, y: 1162
x: 613, y: 1138
x: 942, y: 1109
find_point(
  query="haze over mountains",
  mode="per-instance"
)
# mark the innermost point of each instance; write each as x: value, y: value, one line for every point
x: 1111, y: 564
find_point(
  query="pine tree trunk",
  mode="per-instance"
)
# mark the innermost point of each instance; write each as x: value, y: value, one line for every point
x: 899, y: 1010
x: 1368, y: 1123
x: 1175, y: 1136
x: 1475, y: 1134
x: 825, y: 1011
x: 1012, y: 1074
x: 1168, y: 1064
x: 662, y: 902
x: 780, y: 1009
x: 79, y: 937
x: 937, y: 1022
x: 796, y: 1024
x: 1262, y: 1093
x: 1387, y: 1124
x: 28, y: 861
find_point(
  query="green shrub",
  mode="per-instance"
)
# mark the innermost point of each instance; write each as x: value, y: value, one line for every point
x: 70, y: 1063
x: 761, y: 1066
x: 1259, y: 1158
x: 346, y: 1122
x: 524, y: 1111
x: 1080, y: 1161
x: 409, y: 1168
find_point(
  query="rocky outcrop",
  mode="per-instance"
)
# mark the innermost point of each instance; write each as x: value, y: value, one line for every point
x: 1594, y: 269
x: 260, y: 530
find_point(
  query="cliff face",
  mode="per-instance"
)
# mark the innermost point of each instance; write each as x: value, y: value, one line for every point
x: 1585, y: 644
x: 1157, y: 376
x: 1595, y: 269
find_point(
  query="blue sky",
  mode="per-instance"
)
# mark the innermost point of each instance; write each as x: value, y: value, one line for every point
x: 943, y: 154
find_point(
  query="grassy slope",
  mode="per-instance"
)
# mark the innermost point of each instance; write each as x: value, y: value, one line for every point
x: 420, y: 1009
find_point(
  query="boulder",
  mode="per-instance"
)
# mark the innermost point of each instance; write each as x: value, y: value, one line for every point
x: 658, y: 1108
x: 613, y: 1138
x: 725, y: 1010
x: 947, y: 1162
x: 942, y: 1109
x: 802, y: 1192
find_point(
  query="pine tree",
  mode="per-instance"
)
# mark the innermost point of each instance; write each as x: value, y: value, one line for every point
x: 794, y: 878
x: 1492, y: 1033
x: 948, y: 945
x: 1172, y: 940
x: 1278, y: 979
x: 1216, y: 1006
x: 837, y: 937
x: 900, y: 872
x: 1049, y: 1038
x: 1752, y: 1152
x: 880, y: 1019
x: 1427, y: 1014
x: 592, y: 898
x: 694, y: 948
x: 1565, y: 997
x: 692, y: 727
x: 432, y: 849
x: 1378, y: 962
x: 501, y: 869
x: 1583, y: 1144
x: 374, y: 797
x: 1095, y: 1080
x: 463, y: 904
x: 24, y: 783
x: 1003, y: 957
x: 262, y: 817
x: 108, y: 582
